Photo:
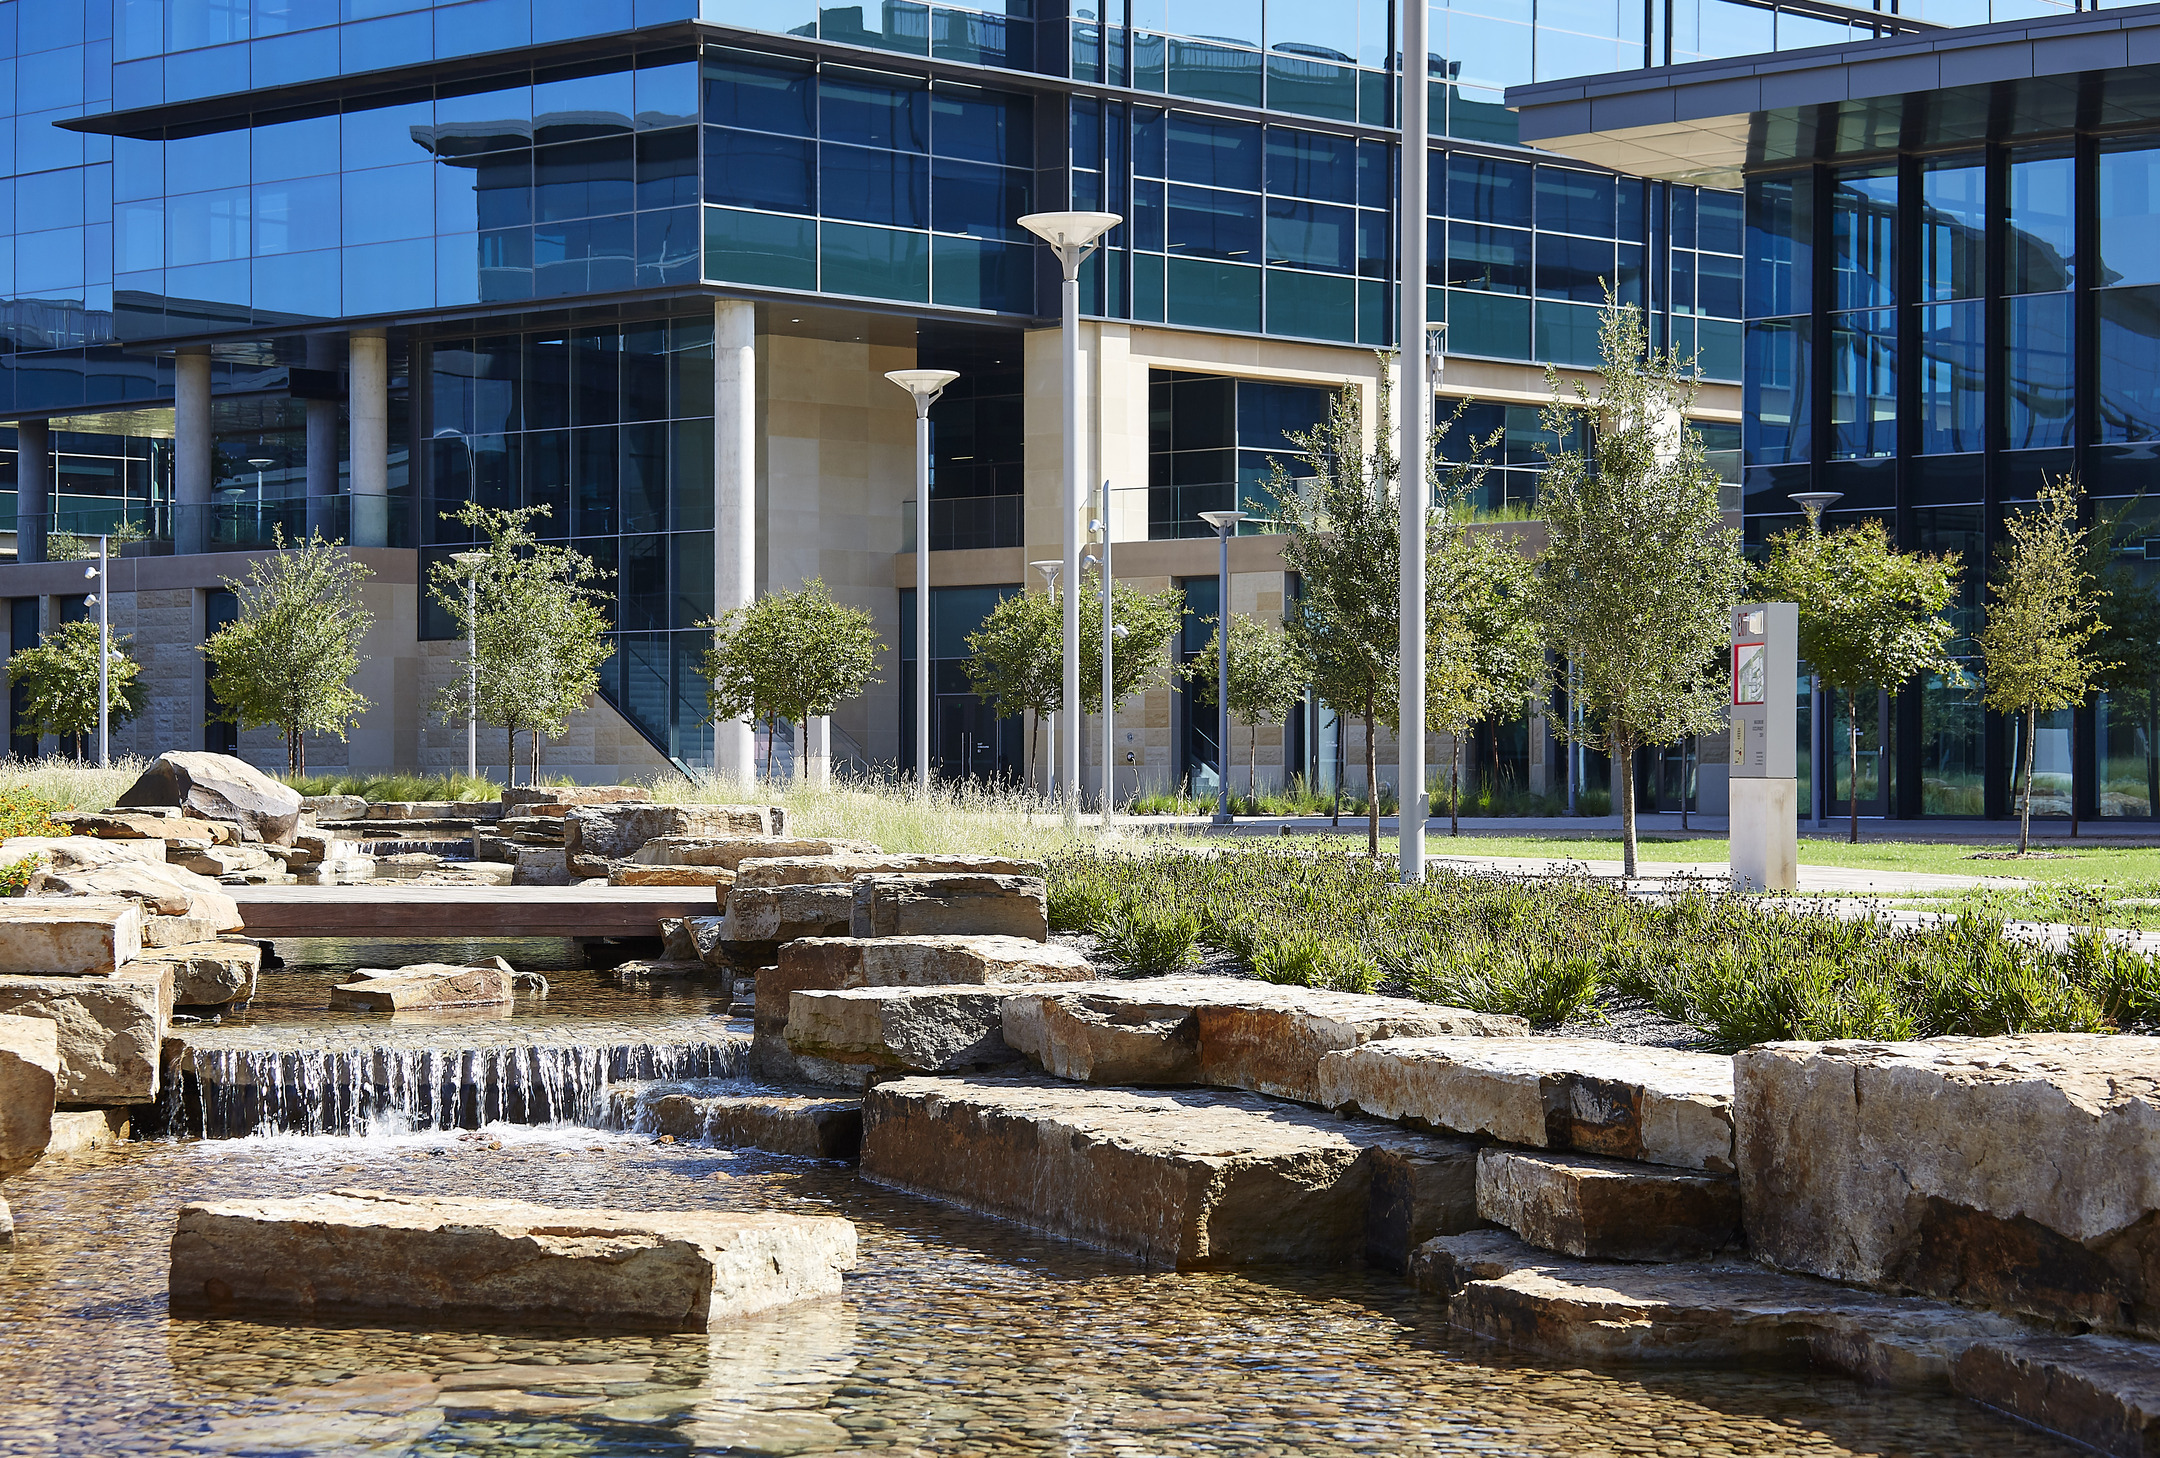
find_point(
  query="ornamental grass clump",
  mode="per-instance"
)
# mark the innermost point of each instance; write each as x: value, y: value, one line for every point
x: 1150, y: 939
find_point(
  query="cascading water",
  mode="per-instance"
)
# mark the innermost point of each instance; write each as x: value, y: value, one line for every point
x: 224, y: 1083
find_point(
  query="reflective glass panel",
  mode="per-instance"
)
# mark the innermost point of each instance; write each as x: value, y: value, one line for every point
x: 1775, y: 412
x: 2129, y: 364
x: 750, y: 170
x: 1953, y: 229
x: 1863, y: 234
x: 2036, y: 370
x: 1780, y: 245
x: 2129, y: 215
x: 2042, y: 234
x: 1953, y: 366
x: 1863, y: 384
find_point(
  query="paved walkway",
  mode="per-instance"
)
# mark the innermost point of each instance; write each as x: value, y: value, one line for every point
x: 1856, y: 881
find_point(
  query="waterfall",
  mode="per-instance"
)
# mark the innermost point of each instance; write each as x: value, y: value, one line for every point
x: 229, y: 1083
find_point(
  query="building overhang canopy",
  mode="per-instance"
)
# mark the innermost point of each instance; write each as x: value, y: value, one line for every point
x: 1711, y: 123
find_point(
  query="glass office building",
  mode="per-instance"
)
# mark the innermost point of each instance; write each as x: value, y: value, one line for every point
x: 275, y: 265
x: 1952, y: 289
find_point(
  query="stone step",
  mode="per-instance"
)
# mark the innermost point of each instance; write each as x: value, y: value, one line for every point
x: 81, y: 1131
x: 719, y: 877
x: 209, y: 973
x: 1229, y: 1032
x: 1606, y: 1209
x: 2103, y: 1392
x: 2015, y: 1173
x: 778, y: 1123
x: 917, y: 1029
x: 29, y: 1083
x: 111, y: 1030
x: 453, y: 1260
x: 950, y: 904
x: 1658, y: 1105
x: 843, y: 869
x: 728, y: 852
x: 1188, y: 1179
x: 68, y: 936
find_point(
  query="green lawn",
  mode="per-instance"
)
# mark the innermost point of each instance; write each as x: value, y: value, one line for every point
x: 2089, y: 864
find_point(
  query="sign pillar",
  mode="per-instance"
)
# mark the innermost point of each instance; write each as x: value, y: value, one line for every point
x: 1764, y: 789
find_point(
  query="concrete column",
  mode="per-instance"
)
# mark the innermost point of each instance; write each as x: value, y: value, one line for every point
x: 33, y: 489
x: 734, y: 498
x: 817, y: 762
x: 368, y: 423
x: 191, y: 452
x: 322, y: 445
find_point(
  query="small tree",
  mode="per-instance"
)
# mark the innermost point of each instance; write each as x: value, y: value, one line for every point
x: 1486, y: 658
x: 2043, y: 614
x: 65, y: 546
x: 790, y: 656
x: 1266, y: 680
x: 1638, y: 579
x: 1871, y: 617
x: 538, y: 625
x: 289, y: 656
x: 59, y: 682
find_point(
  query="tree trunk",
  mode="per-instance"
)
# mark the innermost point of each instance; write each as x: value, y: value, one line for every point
x: 2032, y: 715
x: 532, y: 768
x: 1454, y: 809
x: 1372, y: 789
x: 1852, y: 770
x: 1625, y: 768
x: 1252, y: 765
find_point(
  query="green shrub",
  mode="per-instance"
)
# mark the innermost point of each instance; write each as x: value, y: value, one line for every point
x: 1290, y: 958
x: 22, y: 813
x: 1083, y: 891
x: 401, y: 787
x: 1150, y: 939
x: 15, y: 875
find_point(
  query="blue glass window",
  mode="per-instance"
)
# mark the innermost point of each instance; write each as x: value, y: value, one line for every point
x: 2042, y: 232
x: 1863, y: 384
x: 2129, y: 364
x: 749, y: 170
x: 584, y: 179
x: 1573, y: 268
x: 2037, y: 372
x: 985, y: 127
x: 1206, y: 223
x: 767, y: 95
x: 968, y: 197
x: 1953, y: 366
x: 296, y: 216
x: 667, y: 168
x: 573, y: 107
x: 1489, y: 190
x: 304, y: 148
x: 1717, y: 285
x: 1311, y: 235
x: 760, y: 249
x: 1781, y: 252
x: 385, y: 203
x: 1863, y: 233
x: 1215, y: 154
x: 1953, y: 228
x: 874, y: 186
x: 1491, y: 260
x: 1311, y: 166
x: 1775, y: 410
x: 1574, y: 202
x: 381, y: 136
x: 202, y: 227
x: 874, y: 262
x: 869, y: 115
x: 2129, y: 215
x: 1718, y: 221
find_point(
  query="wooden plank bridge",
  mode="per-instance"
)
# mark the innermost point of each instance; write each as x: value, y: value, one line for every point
x: 393, y: 909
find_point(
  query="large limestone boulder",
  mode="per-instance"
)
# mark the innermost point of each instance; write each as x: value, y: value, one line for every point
x: 29, y: 1085
x: 177, y: 831
x: 540, y: 866
x: 777, y: 869
x: 1608, y: 1209
x: 717, y: 877
x: 354, y: 1251
x: 799, y: 1124
x: 950, y: 904
x: 166, y: 890
x: 219, y: 787
x: 1187, y: 1179
x: 83, y: 852
x: 322, y: 808
x: 425, y: 986
x: 920, y: 1029
x: 1659, y: 1105
x: 923, y: 961
x: 760, y: 919
x: 617, y: 832
x: 730, y: 851
x: 2019, y: 1173
x: 110, y: 1030
x: 210, y: 973
x: 2103, y: 1392
x: 68, y: 936
x: 559, y: 800
x: 1244, y: 1034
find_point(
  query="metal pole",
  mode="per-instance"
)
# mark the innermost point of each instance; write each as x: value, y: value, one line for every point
x: 1068, y: 759
x: 1222, y: 679
x: 1416, y: 421
x: 922, y: 595
x: 472, y: 681
x: 104, y: 657
x: 1109, y: 703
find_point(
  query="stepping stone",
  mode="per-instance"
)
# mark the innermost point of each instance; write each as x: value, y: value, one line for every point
x: 803, y: 870
x: 427, y: 985
x: 920, y: 1029
x: 814, y: 1128
x: 68, y: 936
x: 2015, y: 1173
x: 1243, y: 1033
x: 460, y: 1260
x: 728, y: 852
x: 671, y: 875
x: 1605, y: 1209
x: 79, y: 1131
x: 926, y: 961
x: 951, y: 904
x: 29, y: 1080
x: 210, y: 973
x: 1658, y: 1105
x: 177, y: 931
x: 1188, y: 1179
x: 111, y: 1030
x: 1697, y: 1312
x: 615, y: 832
x: 2103, y: 1392
x: 760, y: 918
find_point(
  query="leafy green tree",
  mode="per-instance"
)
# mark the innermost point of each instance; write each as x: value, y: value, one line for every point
x: 59, y: 682
x: 790, y: 656
x: 288, y: 657
x: 1487, y: 660
x: 1871, y: 617
x: 538, y: 624
x: 2043, y: 615
x: 66, y: 546
x: 1267, y: 678
x: 1640, y: 573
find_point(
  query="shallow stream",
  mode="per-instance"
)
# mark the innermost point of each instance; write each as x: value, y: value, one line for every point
x: 956, y: 1335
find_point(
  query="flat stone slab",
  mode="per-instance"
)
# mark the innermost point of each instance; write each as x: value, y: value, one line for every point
x: 459, y: 1260
x: 926, y: 961
x: 804, y: 1125
x: 1658, y: 1105
x: 950, y: 904
x: 616, y: 831
x: 1606, y: 1209
x: 728, y: 852
x: 1694, y: 1312
x: 210, y: 973
x: 804, y: 870
x: 167, y: 890
x: 921, y: 1029
x: 80, y: 1131
x: 68, y: 936
x: 29, y: 1078
x: 2018, y: 1173
x: 765, y: 916
x: 1229, y: 1032
x: 718, y: 877
x: 425, y: 986
x: 2103, y: 1392
x: 1186, y: 1179
x: 177, y: 931
x: 110, y: 1030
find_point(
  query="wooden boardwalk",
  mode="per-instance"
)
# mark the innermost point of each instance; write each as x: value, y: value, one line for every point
x: 393, y: 909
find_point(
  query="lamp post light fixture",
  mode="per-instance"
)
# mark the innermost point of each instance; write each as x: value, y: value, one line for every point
x: 924, y: 386
x: 1072, y: 236
x: 471, y: 563
x: 1413, y: 505
x: 1110, y: 633
x: 1815, y: 503
x: 1225, y: 523
x: 259, y: 463
x: 101, y: 575
x: 1050, y: 571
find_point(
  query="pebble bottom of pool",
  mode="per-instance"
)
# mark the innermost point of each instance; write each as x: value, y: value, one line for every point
x: 956, y: 1335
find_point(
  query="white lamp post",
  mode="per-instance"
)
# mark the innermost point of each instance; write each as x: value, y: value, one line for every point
x: 1072, y: 237
x: 1109, y: 636
x: 100, y: 574
x: 924, y: 386
x: 1050, y: 570
x: 471, y: 562
x: 1416, y: 425
x: 1224, y: 522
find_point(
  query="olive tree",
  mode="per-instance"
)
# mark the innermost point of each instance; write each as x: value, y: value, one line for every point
x: 288, y: 656
x: 790, y: 656
x: 1486, y: 658
x: 59, y: 679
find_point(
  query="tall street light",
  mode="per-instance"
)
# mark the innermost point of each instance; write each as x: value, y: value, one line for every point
x: 102, y: 575
x: 1072, y: 237
x: 1050, y: 570
x: 1815, y: 503
x: 1109, y: 636
x: 260, y: 463
x: 470, y: 564
x: 1225, y: 523
x: 1416, y: 424
x: 924, y: 386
